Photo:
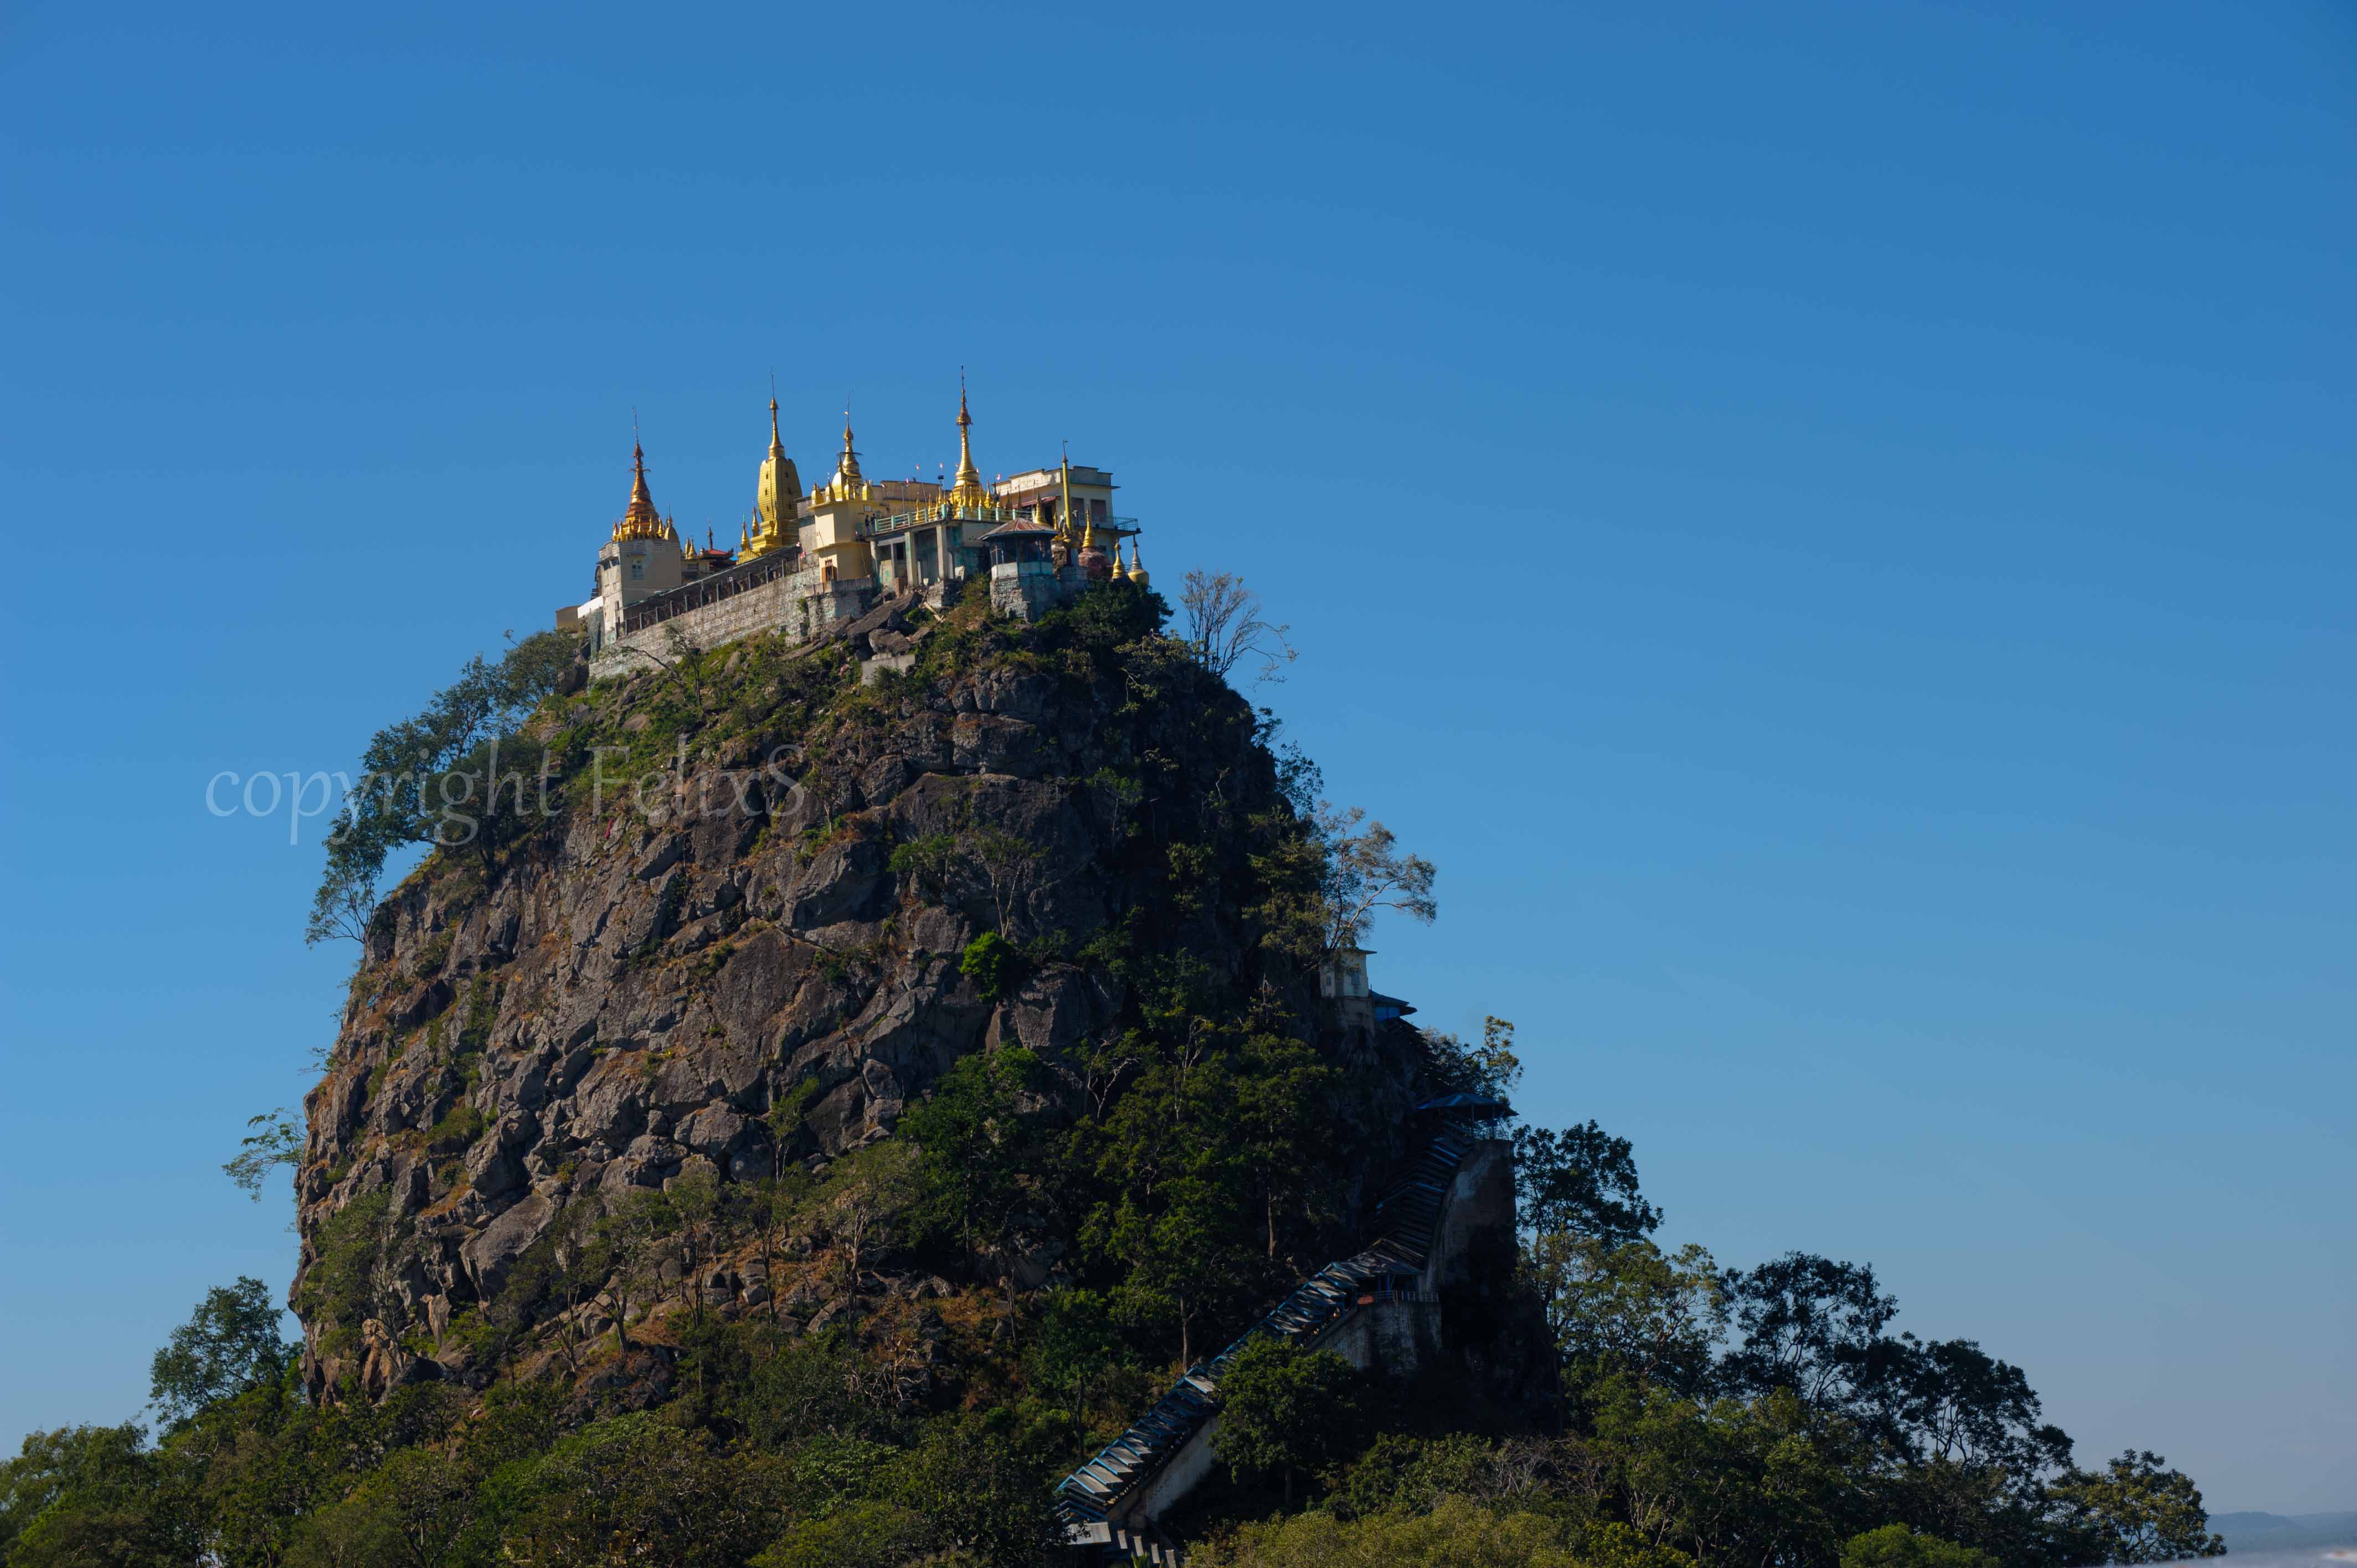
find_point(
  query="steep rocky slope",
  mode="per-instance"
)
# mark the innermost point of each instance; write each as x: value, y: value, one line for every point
x: 620, y: 987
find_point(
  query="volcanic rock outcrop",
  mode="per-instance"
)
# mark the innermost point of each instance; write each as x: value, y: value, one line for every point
x: 761, y: 886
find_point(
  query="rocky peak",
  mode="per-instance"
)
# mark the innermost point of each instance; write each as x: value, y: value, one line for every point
x: 755, y: 883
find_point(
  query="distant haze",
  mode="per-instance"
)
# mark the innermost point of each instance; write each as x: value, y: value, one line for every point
x: 2293, y: 1537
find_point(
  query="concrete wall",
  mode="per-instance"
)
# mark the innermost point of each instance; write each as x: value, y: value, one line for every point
x: 1480, y: 1197
x: 1025, y: 588
x: 1394, y: 1336
x: 800, y: 605
x: 1180, y: 1475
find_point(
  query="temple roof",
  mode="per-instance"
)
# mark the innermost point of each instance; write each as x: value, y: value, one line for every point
x: 639, y: 520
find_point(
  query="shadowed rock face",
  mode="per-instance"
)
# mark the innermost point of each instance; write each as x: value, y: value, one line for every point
x: 621, y: 997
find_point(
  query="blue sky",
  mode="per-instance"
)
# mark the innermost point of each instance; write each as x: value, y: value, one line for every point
x: 1831, y: 523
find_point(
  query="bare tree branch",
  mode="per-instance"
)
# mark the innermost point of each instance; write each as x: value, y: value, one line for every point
x: 1366, y: 871
x: 1224, y: 623
x: 278, y: 1141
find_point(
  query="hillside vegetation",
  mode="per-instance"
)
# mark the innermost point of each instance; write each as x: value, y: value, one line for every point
x: 795, y: 1109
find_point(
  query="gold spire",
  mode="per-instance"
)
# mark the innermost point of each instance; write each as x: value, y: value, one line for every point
x: 1136, y: 566
x: 1064, y: 502
x: 1088, y: 530
x: 639, y: 519
x: 1118, y: 569
x: 967, y: 491
x: 847, y: 480
x: 773, y: 495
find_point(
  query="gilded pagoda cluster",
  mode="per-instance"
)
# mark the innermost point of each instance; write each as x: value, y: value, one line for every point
x: 804, y: 558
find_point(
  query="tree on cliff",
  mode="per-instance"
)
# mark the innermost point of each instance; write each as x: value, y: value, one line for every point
x: 275, y: 1139
x: 422, y: 777
x: 2133, y: 1510
x: 1285, y: 1411
x: 980, y: 1155
x: 231, y: 1344
x: 1224, y: 625
x: 1581, y: 1181
x: 1366, y: 870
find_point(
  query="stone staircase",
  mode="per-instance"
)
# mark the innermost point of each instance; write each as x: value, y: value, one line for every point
x: 1145, y: 1543
x: 1090, y: 1501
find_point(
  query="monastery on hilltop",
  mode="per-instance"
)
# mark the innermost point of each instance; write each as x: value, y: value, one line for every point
x: 803, y: 562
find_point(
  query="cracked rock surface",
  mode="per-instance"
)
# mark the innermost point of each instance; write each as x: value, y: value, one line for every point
x: 621, y: 995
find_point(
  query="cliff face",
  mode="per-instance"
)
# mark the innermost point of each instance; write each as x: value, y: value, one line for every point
x: 616, y: 993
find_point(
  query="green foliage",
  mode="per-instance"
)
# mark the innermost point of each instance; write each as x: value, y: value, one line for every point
x: 347, y: 1249
x: 432, y: 953
x: 2131, y: 1511
x: 994, y: 964
x: 980, y: 1154
x: 481, y: 1012
x: 1007, y: 862
x: 1212, y: 1156
x: 457, y: 1129
x: 1630, y: 1309
x: 1809, y: 1325
x: 414, y: 1510
x: 1400, y: 1473
x: 1491, y: 1068
x: 1194, y: 1156
x: 230, y: 1344
x: 828, y: 1472
x: 1077, y: 1347
x: 984, y: 1485
x: 275, y: 1138
x: 1285, y: 1411
x: 85, y: 1495
x: 1456, y: 1533
x: 408, y: 794
x: 632, y: 1491
x: 868, y: 1201
x: 1895, y: 1546
x: 798, y: 1391
x: 516, y: 1419
x: 860, y: 1535
x: 1365, y: 871
x: 1581, y: 1182
x: 927, y: 862
x: 1765, y: 1481
x: 1108, y: 617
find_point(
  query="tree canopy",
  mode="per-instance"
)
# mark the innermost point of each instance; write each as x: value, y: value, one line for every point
x: 428, y: 780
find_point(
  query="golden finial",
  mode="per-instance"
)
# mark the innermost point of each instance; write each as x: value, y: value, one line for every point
x: 1064, y: 497
x: 1136, y: 566
x: 847, y: 480
x: 774, y: 491
x: 639, y: 519
x: 968, y: 488
x: 1119, y: 570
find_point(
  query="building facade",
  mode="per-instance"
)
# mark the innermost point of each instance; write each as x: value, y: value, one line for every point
x: 804, y: 561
